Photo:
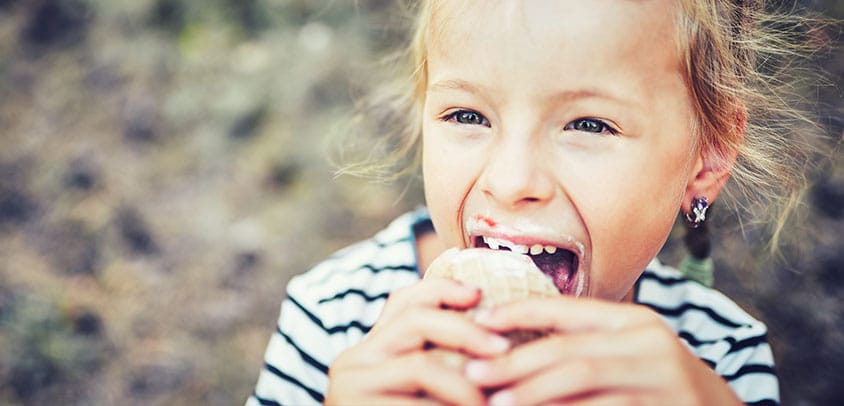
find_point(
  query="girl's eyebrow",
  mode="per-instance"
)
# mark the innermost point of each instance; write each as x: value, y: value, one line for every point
x: 566, y: 95
x: 456, y: 84
x: 590, y: 93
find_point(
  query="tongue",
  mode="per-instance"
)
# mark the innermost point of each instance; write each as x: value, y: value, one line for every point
x: 557, y: 266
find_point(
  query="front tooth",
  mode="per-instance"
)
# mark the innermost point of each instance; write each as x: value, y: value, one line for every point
x: 521, y: 249
x: 550, y: 249
x: 492, y: 242
x: 535, y: 249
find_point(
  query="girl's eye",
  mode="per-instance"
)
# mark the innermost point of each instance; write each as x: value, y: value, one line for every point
x: 467, y: 117
x: 590, y: 125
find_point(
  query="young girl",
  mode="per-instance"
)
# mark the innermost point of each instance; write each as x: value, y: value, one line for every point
x: 575, y: 131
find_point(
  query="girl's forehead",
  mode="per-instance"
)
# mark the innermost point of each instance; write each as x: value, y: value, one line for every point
x: 632, y: 42
x: 631, y: 20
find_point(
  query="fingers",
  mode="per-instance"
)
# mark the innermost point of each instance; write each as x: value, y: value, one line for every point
x: 601, y: 352
x: 611, y: 399
x: 412, y: 376
x: 564, y: 314
x: 396, y: 401
x: 559, y: 349
x: 413, y: 319
x: 391, y: 366
x: 430, y: 293
x: 584, y: 378
x: 441, y: 328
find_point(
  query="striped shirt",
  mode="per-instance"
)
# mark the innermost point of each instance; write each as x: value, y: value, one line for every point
x: 331, y: 307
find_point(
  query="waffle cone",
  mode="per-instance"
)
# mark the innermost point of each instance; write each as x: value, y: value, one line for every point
x: 502, y: 277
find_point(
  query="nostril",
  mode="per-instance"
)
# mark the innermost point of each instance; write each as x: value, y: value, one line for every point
x: 528, y: 200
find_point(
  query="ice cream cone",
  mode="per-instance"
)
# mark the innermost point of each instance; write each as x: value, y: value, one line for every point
x: 502, y: 277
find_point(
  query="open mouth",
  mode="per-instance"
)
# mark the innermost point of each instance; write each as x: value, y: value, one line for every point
x: 558, y: 263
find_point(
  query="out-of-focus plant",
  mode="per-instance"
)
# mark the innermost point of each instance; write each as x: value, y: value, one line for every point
x: 45, y: 344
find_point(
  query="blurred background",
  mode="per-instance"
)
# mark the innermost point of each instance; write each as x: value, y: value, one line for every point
x: 163, y: 174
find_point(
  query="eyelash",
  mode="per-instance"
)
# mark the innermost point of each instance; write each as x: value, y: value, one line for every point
x: 603, y: 126
x: 454, y: 117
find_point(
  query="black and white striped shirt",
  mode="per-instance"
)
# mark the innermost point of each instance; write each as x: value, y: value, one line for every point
x: 331, y: 307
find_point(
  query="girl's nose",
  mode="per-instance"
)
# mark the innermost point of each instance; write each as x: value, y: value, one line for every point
x: 516, y: 176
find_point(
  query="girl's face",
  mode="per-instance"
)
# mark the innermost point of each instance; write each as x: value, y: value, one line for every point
x: 560, y: 127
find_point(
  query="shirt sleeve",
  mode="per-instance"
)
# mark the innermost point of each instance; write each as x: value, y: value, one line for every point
x: 295, y: 368
x: 728, y: 339
x: 748, y: 366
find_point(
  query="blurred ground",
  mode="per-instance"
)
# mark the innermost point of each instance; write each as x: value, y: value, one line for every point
x: 162, y: 176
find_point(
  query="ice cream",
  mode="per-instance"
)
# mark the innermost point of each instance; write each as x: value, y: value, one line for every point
x: 502, y: 277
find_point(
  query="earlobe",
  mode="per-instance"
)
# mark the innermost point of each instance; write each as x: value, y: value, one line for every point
x: 711, y: 173
x: 714, y: 164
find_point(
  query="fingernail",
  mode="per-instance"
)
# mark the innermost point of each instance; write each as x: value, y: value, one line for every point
x: 498, y: 343
x: 476, y: 370
x: 501, y: 398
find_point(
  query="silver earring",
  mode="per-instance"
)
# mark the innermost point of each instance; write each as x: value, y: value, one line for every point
x: 697, y: 215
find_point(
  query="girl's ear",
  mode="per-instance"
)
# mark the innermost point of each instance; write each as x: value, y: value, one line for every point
x: 713, y: 165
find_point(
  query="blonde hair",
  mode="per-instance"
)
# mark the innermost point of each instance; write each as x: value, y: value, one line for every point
x: 741, y: 60
x: 740, y: 55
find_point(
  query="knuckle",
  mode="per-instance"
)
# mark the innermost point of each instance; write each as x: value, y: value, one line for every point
x: 422, y: 361
x: 399, y: 295
x: 646, y: 316
x: 418, y: 321
x: 587, y: 372
x: 673, y: 346
x: 662, y: 339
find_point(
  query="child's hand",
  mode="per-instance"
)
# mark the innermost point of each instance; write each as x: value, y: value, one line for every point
x: 391, y: 366
x: 603, y: 354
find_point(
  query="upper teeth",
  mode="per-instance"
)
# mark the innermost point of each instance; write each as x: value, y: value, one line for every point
x: 536, y: 249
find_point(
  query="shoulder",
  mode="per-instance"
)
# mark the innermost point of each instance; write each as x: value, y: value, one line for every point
x: 682, y: 300
x: 716, y: 329
x: 331, y: 307
x: 389, y: 254
x: 351, y: 285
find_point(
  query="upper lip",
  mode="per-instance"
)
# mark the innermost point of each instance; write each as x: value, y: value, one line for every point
x: 523, y: 233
